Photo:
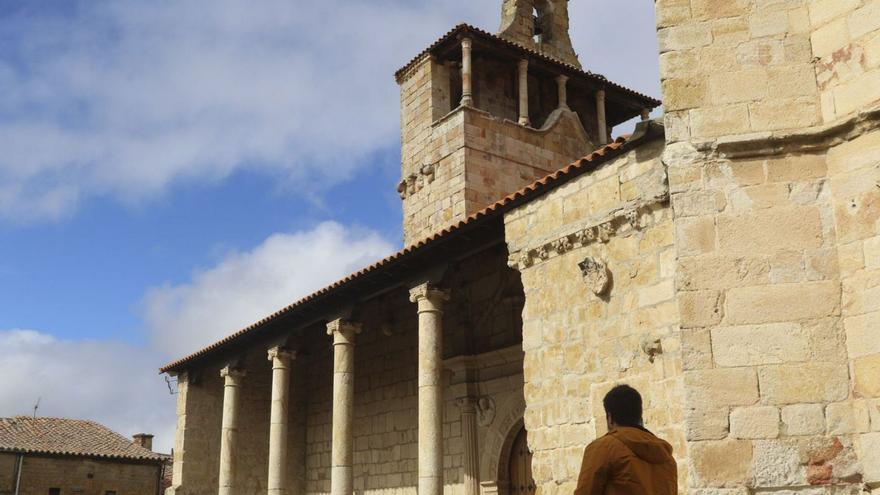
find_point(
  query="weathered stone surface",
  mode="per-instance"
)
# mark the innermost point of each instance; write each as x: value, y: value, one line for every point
x: 752, y: 345
x: 710, y: 471
x: 869, y: 454
x: 700, y: 308
x: 867, y: 376
x: 782, y: 302
x: 714, y: 388
x: 803, y: 383
x: 803, y: 419
x: 707, y: 425
x: 754, y: 422
x: 770, y: 230
x: 848, y: 417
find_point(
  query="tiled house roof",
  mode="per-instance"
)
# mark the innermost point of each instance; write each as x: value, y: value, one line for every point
x: 70, y: 437
x: 583, y: 165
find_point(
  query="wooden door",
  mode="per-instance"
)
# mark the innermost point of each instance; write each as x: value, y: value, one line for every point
x: 520, y: 468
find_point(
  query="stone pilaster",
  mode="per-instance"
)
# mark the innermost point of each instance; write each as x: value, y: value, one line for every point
x: 430, y: 307
x: 524, y: 92
x: 467, y: 98
x: 600, y: 117
x: 229, y: 429
x: 342, y: 451
x: 277, y: 480
x: 470, y: 455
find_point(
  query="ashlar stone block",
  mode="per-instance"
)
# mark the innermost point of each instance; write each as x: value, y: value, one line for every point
x: 754, y: 422
x: 803, y: 419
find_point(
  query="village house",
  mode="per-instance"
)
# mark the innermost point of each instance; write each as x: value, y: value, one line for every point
x: 724, y: 260
x: 58, y: 456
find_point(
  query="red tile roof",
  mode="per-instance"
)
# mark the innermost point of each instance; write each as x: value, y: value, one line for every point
x: 72, y: 437
x: 467, y: 28
x: 622, y: 144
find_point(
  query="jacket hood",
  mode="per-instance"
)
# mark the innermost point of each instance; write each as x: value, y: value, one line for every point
x: 644, y: 444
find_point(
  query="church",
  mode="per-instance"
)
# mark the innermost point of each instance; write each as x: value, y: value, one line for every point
x: 723, y: 259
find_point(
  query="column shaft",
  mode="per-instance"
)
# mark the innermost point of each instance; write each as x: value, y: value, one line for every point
x: 524, y: 92
x: 600, y: 117
x: 562, y: 90
x: 466, y: 90
x: 342, y: 450
x: 469, y: 439
x: 277, y: 482
x: 229, y: 429
x: 430, y: 308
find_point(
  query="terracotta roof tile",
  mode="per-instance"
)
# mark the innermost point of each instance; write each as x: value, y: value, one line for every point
x: 463, y: 27
x: 73, y: 437
x: 508, y: 202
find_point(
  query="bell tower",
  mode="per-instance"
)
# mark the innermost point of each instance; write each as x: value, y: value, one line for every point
x: 483, y: 115
x: 541, y: 25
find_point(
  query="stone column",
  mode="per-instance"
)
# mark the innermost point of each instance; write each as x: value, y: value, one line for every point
x: 524, y: 92
x: 470, y: 457
x: 229, y: 429
x: 646, y: 114
x: 430, y: 306
x: 280, y: 357
x: 600, y: 117
x: 562, y: 91
x: 467, y: 98
x: 342, y: 450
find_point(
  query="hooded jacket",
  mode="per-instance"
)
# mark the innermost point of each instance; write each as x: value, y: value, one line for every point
x: 628, y: 461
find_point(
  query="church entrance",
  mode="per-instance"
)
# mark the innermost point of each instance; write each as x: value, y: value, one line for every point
x: 520, y: 466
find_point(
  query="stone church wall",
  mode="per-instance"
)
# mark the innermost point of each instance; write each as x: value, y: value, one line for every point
x: 578, y: 344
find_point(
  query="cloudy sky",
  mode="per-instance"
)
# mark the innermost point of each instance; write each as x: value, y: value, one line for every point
x: 172, y: 171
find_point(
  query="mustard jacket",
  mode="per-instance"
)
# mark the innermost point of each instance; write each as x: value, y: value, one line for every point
x: 628, y: 461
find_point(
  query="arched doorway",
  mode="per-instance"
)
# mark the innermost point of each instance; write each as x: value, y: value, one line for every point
x: 519, y: 468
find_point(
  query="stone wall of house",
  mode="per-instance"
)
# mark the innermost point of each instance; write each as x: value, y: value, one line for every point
x: 77, y: 475
x: 579, y: 343
x: 456, y: 163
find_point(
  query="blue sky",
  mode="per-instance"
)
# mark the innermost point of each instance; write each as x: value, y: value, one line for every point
x: 172, y: 171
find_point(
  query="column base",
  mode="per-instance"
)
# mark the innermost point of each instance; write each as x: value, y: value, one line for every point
x: 431, y: 485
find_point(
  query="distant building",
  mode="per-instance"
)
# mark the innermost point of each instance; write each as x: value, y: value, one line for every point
x: 57, y: 456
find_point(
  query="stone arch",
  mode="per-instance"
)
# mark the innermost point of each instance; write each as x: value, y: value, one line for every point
x: 495, y: 454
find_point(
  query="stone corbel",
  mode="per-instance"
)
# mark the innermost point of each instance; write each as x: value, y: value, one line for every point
x: 428, y: 172
x: 401, y: 188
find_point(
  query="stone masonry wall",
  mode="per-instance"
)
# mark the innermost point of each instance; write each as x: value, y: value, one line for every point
x: 773, y: 169
x: 74, y: 475
x: 579, y: 344
x: 854, y: 179
x: 736, y: 67
x: 846, y: 45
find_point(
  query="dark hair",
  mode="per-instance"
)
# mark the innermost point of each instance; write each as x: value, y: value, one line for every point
x: 623, y: 405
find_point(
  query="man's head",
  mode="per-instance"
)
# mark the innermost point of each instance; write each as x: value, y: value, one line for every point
x: 623, y: 407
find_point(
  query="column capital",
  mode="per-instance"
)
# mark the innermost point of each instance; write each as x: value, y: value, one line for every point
x: 281, y: 353
x: 232, y: 372
x: 523, y: 64
x: 428, y: 291
x: 561, y: 79
x: 343, y: 331
x: 466, y: 42
x: 467, y: 404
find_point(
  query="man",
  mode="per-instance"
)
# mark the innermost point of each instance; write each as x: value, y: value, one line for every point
x: 629, y: 459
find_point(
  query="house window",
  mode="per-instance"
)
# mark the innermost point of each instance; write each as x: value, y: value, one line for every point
x: 54, y: 491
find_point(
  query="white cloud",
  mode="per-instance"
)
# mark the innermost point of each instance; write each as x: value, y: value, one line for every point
x: 245, y: 287
x: 117, y: 384
x: 127, y: 97
x: 114, y: 383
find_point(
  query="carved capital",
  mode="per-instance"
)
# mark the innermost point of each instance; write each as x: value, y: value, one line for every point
x: 232, y: 374
x: 281, y: 354
x: 429, y: 292
x: 343, y: 331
